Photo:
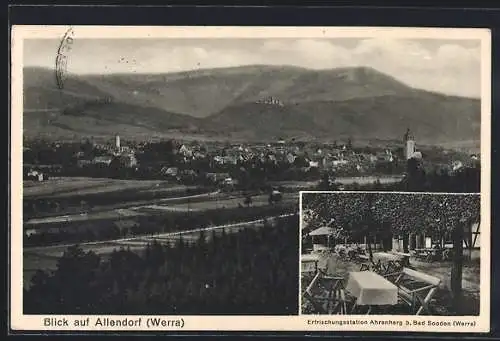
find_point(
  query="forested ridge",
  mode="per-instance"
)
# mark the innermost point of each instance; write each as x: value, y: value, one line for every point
x: 252, y: 272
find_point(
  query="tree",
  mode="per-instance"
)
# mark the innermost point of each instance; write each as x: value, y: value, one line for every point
x: 327, y: 182
x: 439, y: 214
x: 352, y: 214
x: 416, y: 176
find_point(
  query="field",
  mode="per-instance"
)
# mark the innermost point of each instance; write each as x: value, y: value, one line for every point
x: 132, y: 200
x: 58, y: 199
x: 193, y: 203
x: 61, y: 187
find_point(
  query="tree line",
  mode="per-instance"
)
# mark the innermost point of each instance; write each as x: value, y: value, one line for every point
x: 417, y: 179
x: 152, y: 224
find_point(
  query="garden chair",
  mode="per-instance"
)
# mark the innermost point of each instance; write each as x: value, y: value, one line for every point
x: 326, y: 294
x: 377, y: 267
x: 415, y: 288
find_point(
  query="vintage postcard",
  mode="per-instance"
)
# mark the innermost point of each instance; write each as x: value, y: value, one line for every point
x: 250, y: 179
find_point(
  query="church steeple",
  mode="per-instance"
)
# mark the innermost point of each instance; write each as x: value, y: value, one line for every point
x: 409, y: 144
x: 407, y: 135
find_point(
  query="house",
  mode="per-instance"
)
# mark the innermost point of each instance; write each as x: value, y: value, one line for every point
x: 230, y: 159
x: 169, y: 171
x: 272, y: 158
x: 102, y: 160
x: 36, y: 175
x: 128, y: 160
x: 79, y: 155
x: 218, y: 159
x: 186, y: 151
x: 189, y: 173
x: 338, y: 163
x: 217, y: 177
x: 290, y: 158
x: 31, y: 231
x: 386, y: 156
x: 228, y: 182
x: 271, y: 100
x: 417, y: 155
x: 83, y: 163
x: 456, y: 165
x: 199, y: 155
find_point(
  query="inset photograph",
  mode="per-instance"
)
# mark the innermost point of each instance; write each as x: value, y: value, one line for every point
x: 390, y: 253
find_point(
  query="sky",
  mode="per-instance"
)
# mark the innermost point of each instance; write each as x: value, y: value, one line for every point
x: 447, y: 66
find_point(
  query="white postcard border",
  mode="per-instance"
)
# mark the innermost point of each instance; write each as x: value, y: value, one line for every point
x: 19, y: 321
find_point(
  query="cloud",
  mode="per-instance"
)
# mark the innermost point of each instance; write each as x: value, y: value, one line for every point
x: 386, y: 53
x: 310, y: 53
x: 450, y: 68
x: 455, y: 56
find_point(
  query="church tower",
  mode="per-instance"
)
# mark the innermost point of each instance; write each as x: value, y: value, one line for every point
x: 409, y: 141
x: 117, y: 142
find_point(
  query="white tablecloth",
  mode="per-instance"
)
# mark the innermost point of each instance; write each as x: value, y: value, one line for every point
x: 309, y: 262
x: 385, y: 257
x: 371, y: 289
x: 320, y: 247
x: 310, y: 257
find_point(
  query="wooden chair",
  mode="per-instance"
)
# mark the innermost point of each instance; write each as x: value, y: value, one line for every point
x: 334, y: 302
x: 377, y: 267
x: 364, y: 267
x: 415, y: 288
x: 393, y: 266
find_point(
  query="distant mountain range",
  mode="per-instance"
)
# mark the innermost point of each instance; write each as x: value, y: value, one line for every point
x: 250, y: 102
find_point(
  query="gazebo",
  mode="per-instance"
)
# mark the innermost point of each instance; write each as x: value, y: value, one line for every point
x: 319, y: 243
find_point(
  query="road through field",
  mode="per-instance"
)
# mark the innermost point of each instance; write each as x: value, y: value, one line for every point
x: 115, y: 211
x: 209, y: 201
x: 70, y: 186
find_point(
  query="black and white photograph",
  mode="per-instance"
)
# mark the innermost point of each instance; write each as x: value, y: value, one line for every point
x: 390, y: 253
x: 162, y: 171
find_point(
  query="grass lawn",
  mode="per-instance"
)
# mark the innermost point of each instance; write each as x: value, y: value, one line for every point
x: 441, y: 303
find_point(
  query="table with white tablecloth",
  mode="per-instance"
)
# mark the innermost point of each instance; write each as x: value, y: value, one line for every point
x: 371, y: 289
x: 387, y: 262
x: 309, y: 263
x: 386, y: 256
